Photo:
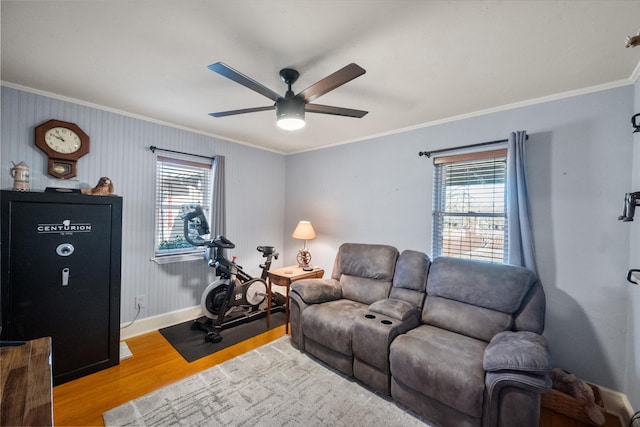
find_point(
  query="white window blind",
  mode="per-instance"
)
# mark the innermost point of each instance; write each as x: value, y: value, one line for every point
x: 179, y: 182
x: 469, y: 206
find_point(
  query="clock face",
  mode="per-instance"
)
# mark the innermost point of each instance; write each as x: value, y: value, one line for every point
x: 62, y: 140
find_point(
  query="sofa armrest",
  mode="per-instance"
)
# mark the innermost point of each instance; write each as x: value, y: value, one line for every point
x: 512, y: 398
x: 517, y: 365
x: 316, y: 291
x: 394, y: 308
x: 523, y: 351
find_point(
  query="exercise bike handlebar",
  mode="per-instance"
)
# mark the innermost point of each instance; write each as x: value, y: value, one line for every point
x: 187, y: 236
x: 193, y: 214
x: 222, y: 242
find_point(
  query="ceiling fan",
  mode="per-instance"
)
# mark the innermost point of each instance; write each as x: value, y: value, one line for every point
x: 290, y: 108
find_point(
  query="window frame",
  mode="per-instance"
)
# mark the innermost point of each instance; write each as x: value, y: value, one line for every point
x: 484, y: 232
x: 162, y: 256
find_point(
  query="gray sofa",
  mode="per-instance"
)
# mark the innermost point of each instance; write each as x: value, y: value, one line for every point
x: 456, y: 341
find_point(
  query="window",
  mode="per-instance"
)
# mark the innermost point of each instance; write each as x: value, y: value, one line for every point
x: 179, y: 182
x: 469, y: 206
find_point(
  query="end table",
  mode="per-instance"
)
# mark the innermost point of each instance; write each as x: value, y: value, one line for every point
x: 284, y: 277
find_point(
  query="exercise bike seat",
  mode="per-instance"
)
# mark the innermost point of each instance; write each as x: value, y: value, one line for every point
x: 267, y: 250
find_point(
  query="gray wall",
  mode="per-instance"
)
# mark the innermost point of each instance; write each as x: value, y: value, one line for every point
x: 119, y: 149
x: 579, y: 163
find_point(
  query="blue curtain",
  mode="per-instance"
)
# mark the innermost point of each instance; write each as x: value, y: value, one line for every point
x: 521, y: 250
x: 218, y: 203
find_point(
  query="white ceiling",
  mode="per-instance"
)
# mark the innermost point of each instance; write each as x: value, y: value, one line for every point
x: 426, y: 61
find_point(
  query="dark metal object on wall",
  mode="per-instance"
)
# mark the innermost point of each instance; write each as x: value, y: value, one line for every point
x: 153, y: 149
x: 635, y: 122
x: 428, y: 154
x: 631, y: 200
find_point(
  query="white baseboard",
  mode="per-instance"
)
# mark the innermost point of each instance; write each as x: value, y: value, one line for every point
x: 153, y: 323
x: 617, y: 404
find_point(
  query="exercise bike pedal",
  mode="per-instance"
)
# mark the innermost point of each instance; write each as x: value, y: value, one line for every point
x: 278, y: 299
x: 213, y: 337
x: 205, y: 326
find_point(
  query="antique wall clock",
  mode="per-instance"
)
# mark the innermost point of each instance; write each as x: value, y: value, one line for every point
x: 64, y: 143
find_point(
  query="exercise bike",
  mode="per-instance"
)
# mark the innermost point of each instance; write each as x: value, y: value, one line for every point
x: 236, y: 296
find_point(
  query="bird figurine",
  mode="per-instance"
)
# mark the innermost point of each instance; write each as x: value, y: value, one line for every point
x: 103, y: 188
x: 633, y: 41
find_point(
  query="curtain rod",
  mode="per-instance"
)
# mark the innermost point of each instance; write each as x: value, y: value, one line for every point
x: 479, y: 144
x: 153, y: 149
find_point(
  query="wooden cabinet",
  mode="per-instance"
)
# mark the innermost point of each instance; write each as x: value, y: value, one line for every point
x: 25, y: 389
x: 60, y: 256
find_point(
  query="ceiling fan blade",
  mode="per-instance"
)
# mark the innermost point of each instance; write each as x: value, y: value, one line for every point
x: 336, y: 111
x: 228, y: 72
x: 243, y: 111
x: 340, y: 77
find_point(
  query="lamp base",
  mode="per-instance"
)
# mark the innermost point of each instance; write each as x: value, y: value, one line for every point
x: 304, y: 258
x: 307, y: 268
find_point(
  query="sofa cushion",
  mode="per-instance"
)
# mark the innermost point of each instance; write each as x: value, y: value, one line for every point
x: 410, y: 278
x: 364, y: 260
x: 363, y: 289
x: 365, y: 271
x: 466, y: 319
x: 498, y: 287
x: 485, y: 296
x: 442, y: 365
x: 330, y: 323
x: 517, y: 351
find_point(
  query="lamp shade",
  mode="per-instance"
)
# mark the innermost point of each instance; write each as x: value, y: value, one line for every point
x: 304, y: 231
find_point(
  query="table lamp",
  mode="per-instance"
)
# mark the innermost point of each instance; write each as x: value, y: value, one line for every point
x: 304, y: 231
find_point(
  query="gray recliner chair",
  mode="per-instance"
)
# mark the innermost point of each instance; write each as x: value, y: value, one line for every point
x: 322, y: 311
x: 478, y: 357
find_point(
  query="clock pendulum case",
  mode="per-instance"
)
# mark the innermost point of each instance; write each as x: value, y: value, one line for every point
x: 63, y: 143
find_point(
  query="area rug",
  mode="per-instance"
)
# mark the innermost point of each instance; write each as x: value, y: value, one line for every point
x: 192, y: 346
x: 273, y: 385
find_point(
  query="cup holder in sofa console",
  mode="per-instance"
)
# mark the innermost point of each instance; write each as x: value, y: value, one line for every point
x: 386, y: 322
x: 370, y: 316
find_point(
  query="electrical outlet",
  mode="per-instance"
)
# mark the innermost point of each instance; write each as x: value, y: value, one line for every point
x: 141, y: 301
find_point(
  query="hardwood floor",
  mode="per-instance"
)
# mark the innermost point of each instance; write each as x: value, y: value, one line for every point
x: 154, y: 364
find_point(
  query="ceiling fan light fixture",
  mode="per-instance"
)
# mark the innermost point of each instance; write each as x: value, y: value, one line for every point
x: 290, y: 114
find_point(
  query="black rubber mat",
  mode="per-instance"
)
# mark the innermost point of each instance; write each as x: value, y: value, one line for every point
x: 192, y: 345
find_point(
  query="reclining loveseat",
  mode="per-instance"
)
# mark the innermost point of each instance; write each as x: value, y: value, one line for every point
x: 456, y: 341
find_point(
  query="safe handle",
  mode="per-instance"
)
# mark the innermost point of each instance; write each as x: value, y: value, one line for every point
x: 65, y: 276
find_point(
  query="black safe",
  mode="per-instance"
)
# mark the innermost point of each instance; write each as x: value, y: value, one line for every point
x: 61, y: 261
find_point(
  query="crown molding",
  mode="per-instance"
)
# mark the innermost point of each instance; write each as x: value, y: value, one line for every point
x: 128, y: 114
x: 534, y: 101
